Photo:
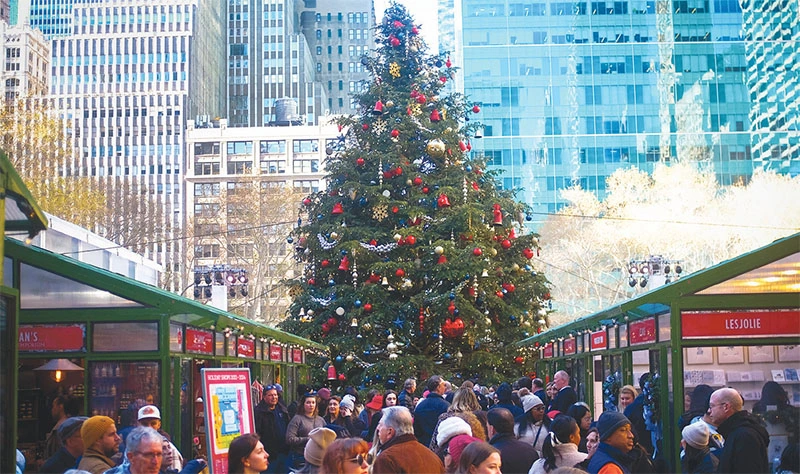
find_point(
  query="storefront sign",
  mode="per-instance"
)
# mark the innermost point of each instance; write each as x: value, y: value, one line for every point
x: 245, y: 348
x: 275, y: 353
x: 599, y: 340
x: 297, y: 356
x: 642, y: 332
x: 199, y: 341
x: 569, y: 346
x: 730, y: 324
x: 52, y: 338
x: 228, y: 411
x: 548, y: 349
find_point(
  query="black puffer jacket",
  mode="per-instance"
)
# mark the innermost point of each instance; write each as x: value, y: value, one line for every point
x: 746, y: 443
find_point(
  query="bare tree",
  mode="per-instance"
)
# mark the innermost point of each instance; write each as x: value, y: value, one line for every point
x: 678, y: 212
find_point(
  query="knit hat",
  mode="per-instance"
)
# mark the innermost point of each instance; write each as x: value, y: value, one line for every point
x: 94, y: 428
x: 347, y: 402
x: 609, y: 422
x: 696, y: 435
x: 450, y: 427
x: 457, y: 445
x: 530, y: 401
x: 376, y: 403
x: 149, y: 411
x: 504, y: 392
x: 318, y: 441
x: 70, y: 426
x: 324, y: 393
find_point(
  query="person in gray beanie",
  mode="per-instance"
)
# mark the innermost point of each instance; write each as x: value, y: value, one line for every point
x: 696, y: 457
x: 616, y: 441
x: 318, y: 441
x: 71, y: 446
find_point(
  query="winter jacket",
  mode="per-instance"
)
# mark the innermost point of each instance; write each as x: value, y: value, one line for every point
x: 95, y: 462
x: 406, y: 399
x: 298, y: 429
x: 404, y: 455
x: 566, y: 455
x: 516, y: 456
x: 59, y: 462
x: 426, y: 417
x: 271, y: 427
x: 746, y: 443
x: 607, y: 454
x: 635, y: 413
x: 534, y: 434
x: 708, y: 465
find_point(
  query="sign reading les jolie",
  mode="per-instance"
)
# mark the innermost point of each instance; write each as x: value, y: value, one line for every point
x: 730, y: 324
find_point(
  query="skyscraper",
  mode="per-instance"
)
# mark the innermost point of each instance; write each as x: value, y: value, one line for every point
x: 26, y: 70
x: 125, y: 79
x: 572, y: 91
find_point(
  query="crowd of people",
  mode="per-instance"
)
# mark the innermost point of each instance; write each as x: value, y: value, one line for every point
x: 526, y: 427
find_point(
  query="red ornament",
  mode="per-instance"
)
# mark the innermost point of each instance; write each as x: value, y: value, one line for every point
x: 421, y: 98
x: 312, y: 281
x: 306, y: 202
x: 332, y: 322
x: 506, y: 244
x: 443, y: 79
x: 360, y: 161
x: 342, y: 377
x: 395, y: 209
x: 453, y: 328
x: 398, y: 171
x: 331, y: 372
x: 519, y: 359
x: 373, y: 242
x: 469, y: 146
x: 499, y: 294
x: 325, y: 327
x: 397, y: 24
x: 365, y: 127
x: 337, y: 208
x: 378, y: 109
x: 395, y: 133
x: 443, y: 260
x: 498, y: 215
x: 510, y: 287
x: 415, y: 30
x: 462, y: 146
x: 394, y: 41
x: 452, y: 308
x: 435, y: 117
x: 344, y: 265
x: 477, y: 251
x: 387, y: 174
x: 408, y: 111
x: 475, y: 186
x: 448, y: 63
x: 411, y: 240
x: 368, y: 306
x: 476, y: 108
x: 513, y: 234
x: 443, y: 200
x: 426, y: 190
x: 417, y: 181
x: 528, y: 253
x: 400, y: 272
x: 325, y: 263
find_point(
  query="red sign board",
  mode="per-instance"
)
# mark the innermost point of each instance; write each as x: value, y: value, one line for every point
x: 228, y: 411
x: 569, y: 346
x: 642, y: 332
x: 729, y: 324
x: 548, y: 350
x: 275, y: 353
x: 297, y: 356
x: 199, y: 341
x: 245, y: 348
x: 599, y: 340
x: 52, y: 338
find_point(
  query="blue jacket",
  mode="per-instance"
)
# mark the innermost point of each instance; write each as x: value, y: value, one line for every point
x: 608, y: 454
x: 426, y: 417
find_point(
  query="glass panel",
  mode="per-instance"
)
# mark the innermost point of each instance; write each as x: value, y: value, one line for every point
x: 8, y: 272
x: 118, y: 387
x: 176, y: 336
x: 780, y: 276
x: 641, y: 364
x: 231, y: 343
x: 220, y: 349
x: 612, y: 381
x: 122, y: 337
x: 41, y: 289
x: 612, y: 338
x: 623, y: 335
x: 663, y: 327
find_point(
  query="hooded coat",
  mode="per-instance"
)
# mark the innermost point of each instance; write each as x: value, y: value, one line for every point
x: 746, y: 443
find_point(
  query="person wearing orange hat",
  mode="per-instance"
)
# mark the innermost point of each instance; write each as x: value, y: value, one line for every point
x: 101, y: 442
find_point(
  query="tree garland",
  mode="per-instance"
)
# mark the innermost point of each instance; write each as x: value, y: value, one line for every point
x: 611, y: 386
x: 652, y: 401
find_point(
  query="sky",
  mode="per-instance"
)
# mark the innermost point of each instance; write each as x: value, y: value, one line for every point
x: 424, y: 13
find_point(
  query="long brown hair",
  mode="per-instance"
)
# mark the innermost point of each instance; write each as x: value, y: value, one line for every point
x: 340, y: 452
x: 239, y: 449
x: 474, y: 454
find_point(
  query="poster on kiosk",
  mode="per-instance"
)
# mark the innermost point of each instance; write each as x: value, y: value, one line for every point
x: 228, y: 410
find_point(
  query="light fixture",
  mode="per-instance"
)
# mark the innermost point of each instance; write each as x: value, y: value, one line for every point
x: 58, y: 367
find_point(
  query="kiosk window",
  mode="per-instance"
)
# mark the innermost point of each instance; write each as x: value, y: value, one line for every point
x: 116, y: 337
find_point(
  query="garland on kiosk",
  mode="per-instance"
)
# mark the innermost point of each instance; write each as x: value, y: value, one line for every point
x: 611, y: 386
x: 652, y: 409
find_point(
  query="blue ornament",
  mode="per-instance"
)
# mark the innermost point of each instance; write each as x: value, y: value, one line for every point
x: 344, y: 252
x: 319, y: 217
x: 455, y: 312
x: 528, y: 217
x: 512, y: 318
x: 357, y: 303
x: 402, y: 222
x: 434, y: 336
x: 452, y: 296
x: 398, y: 322
x: 378, y: 377
x: 362, y: 201
x: 332, y: 282
x: 290, y: 239
x: 339, y: 359
x: 447, y: 356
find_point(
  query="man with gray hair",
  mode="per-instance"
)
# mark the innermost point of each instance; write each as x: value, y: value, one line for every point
x: 400, y: 452
x: 746, y: 440
x: 144, y: 450
x: 566, y: 395
x: 406, y: 397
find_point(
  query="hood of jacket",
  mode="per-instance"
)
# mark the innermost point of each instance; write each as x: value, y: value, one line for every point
x: 744, y: 420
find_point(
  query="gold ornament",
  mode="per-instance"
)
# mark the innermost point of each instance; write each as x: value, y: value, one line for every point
x: 380, y: 212
x: 416, y: 109
x: 379, y: 126
x: 295, y: 290
x: 435, y: 148
x: 394, y: 70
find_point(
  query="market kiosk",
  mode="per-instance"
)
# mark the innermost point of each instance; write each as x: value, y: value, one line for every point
x: 736, y: 324
x: 121, y: 343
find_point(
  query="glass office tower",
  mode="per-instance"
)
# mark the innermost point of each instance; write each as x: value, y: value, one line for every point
x: 572, y: 91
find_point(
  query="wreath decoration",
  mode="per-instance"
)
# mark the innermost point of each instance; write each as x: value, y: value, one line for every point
x: 790, y: 418
x: 652, y: 401
x: 611, y: 386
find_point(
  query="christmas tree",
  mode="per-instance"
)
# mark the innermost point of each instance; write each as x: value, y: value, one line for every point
x: 416, y: 263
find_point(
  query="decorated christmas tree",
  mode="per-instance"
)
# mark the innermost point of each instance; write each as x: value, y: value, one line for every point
x: 416, y: 263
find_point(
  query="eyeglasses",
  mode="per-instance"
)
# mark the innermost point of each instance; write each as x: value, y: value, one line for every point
x: 363, y: 458
x: 150, y: 456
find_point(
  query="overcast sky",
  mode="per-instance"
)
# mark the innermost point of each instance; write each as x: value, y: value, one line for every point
x: 424, y: 13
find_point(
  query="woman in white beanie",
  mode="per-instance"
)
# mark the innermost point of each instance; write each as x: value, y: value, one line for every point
x: 447, y: 430
x: 318, y: 441
x: 533, y: 426
x: 696, y: 458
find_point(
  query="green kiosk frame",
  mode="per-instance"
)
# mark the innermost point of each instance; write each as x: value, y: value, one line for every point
x: 124, y: 343
x: 735, y: 324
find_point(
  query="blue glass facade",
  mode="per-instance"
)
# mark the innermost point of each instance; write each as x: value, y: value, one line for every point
x: 572, y: 91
